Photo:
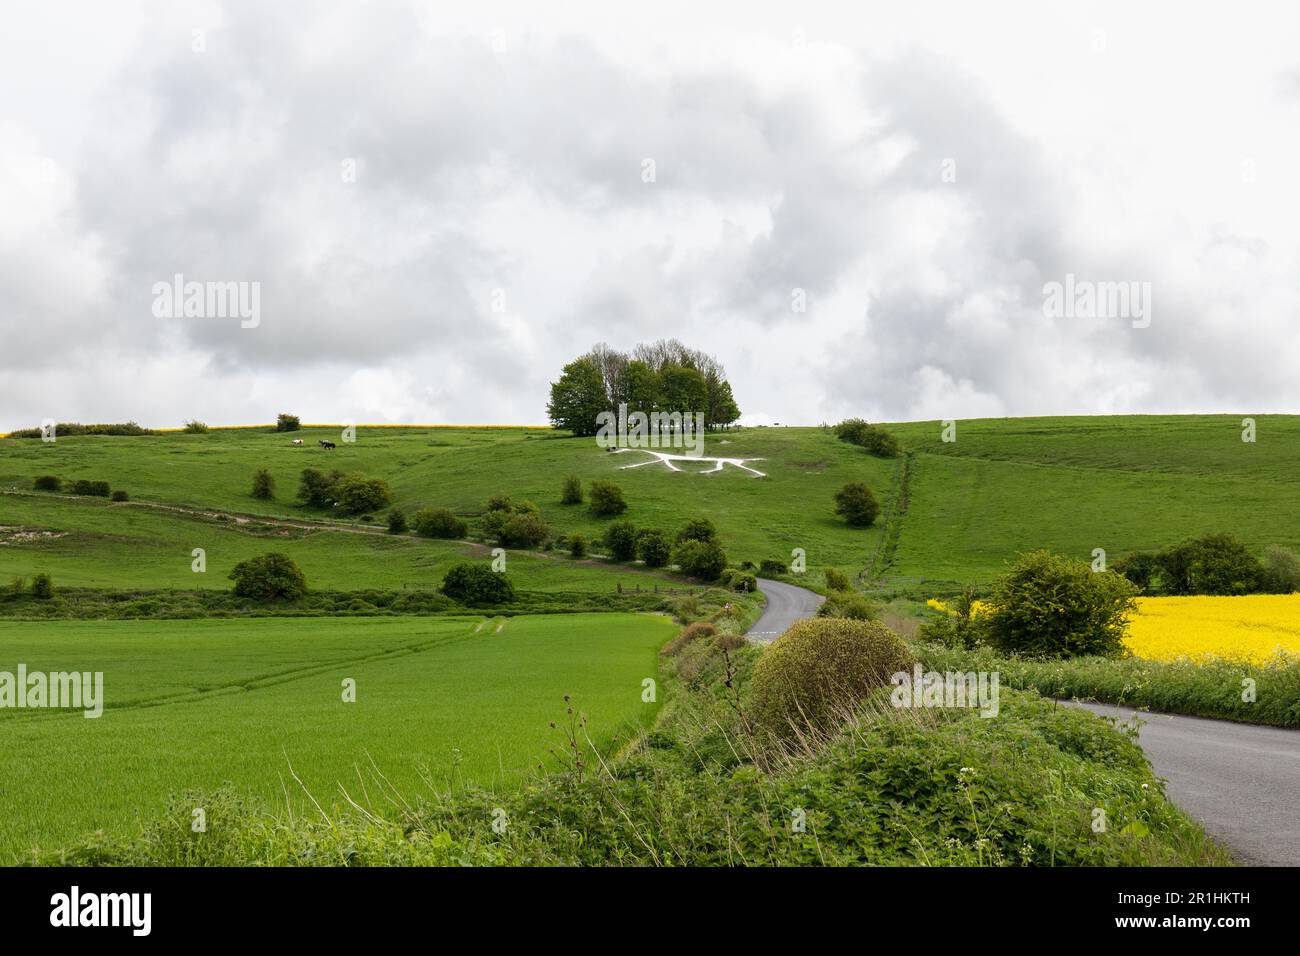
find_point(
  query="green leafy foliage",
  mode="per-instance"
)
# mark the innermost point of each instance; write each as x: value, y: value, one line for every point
x: 477, y: 585
x: 1049, y: 605
x: 857, y: 505
x: 269, y: 577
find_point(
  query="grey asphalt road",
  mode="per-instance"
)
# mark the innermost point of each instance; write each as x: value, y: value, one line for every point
x: 785, y: 605
x: 1241, y: 781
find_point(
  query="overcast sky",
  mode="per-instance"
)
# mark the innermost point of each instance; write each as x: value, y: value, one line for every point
x: 442, y: 208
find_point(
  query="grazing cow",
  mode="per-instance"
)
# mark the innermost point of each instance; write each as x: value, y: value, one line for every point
x: 297, y: 441
x: 327, y: 445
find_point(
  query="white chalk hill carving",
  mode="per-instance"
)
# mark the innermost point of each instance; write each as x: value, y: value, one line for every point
x: 666, y: 459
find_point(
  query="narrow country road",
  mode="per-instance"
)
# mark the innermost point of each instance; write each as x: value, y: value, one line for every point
x: 1240, y: 781
x: 785, y: 605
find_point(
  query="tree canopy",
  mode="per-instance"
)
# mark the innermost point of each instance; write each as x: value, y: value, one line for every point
x: 663, y: 376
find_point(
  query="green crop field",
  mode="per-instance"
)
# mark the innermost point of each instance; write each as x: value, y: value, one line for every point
x: 201, y: 703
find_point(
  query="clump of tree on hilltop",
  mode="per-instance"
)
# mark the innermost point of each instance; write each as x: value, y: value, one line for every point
x: 663, y: 376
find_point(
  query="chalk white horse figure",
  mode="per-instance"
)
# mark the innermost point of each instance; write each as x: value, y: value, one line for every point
x: 666, y: 459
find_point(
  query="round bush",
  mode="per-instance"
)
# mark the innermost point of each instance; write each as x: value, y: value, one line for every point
x: 397, y: 521
x: 578, y: 546
x: 120, y: 495
x: 269, y: 577
x: 357, y: 494
x: 571, y: 494
x: 836, y: 580
x: 607, y: 499
x: 477, y: 585
x: 439, y: 523
x: 620, y: 539
x: 820, y: 667
x: 1052, y: 606
x: 857, y: 505
x: 524, y: 529
x: 653, y: 548
x: 700, y: 559
x: 42, y: 586
x: 49, y: 483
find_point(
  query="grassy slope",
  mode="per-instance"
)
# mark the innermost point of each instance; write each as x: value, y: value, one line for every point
x: 194, y: 704
x: 1071, y: 484
x: 132, y: 546
x: 459, y: 468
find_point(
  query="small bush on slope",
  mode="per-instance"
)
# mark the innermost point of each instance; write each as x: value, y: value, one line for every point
x: 820, y: 667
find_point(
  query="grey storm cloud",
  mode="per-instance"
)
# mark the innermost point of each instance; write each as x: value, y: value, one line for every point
x: 483, y: 173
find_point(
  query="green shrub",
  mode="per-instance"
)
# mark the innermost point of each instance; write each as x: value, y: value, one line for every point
x: 700, y: 559
x: 287, y: 423
x: 577, y: 546
x: 263, y: 485
x: 195, y: 427
x: 269, y: 577
x: 873, y: 438
x: 698, y: 529
x: 770, y: 567
x: 1141, y: 568
x: 691, y: 632
x: 621, y: 540
x: 477, y: 585
x: 744, y: 581
x: 857, y: 505
x: 1281, y: 571
x: 524, y: 529
x: 438, y: 523
x: 397, y: 521
x: 315, y: 488
x: 571, y: 494
x: 120, y: 495
x: 850, y: 605
x: 357, y: 494
x: 836, y: 580
x: 1052, y: 606
x: 95, y: 489
x: 819, y: 668
x: 1210, y: 564
x: 42, y: 586
x: 653, y: 547
x: 48, y: 483
x: 959, y: 629
x: 607, y: 499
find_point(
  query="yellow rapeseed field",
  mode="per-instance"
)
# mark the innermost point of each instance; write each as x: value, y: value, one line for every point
x: 1255, y: 628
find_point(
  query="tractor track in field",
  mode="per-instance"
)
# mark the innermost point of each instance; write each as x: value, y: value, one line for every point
x: 900, y: 499
x: 269, y: 679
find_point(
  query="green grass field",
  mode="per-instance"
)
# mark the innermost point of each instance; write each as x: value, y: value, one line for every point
x: 1122, y: 483
x: 196, y: 704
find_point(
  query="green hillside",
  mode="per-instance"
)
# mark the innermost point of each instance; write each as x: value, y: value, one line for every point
x: 1071, y: 484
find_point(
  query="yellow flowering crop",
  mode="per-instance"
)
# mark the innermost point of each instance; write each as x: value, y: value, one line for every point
x: 1255, y: 628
